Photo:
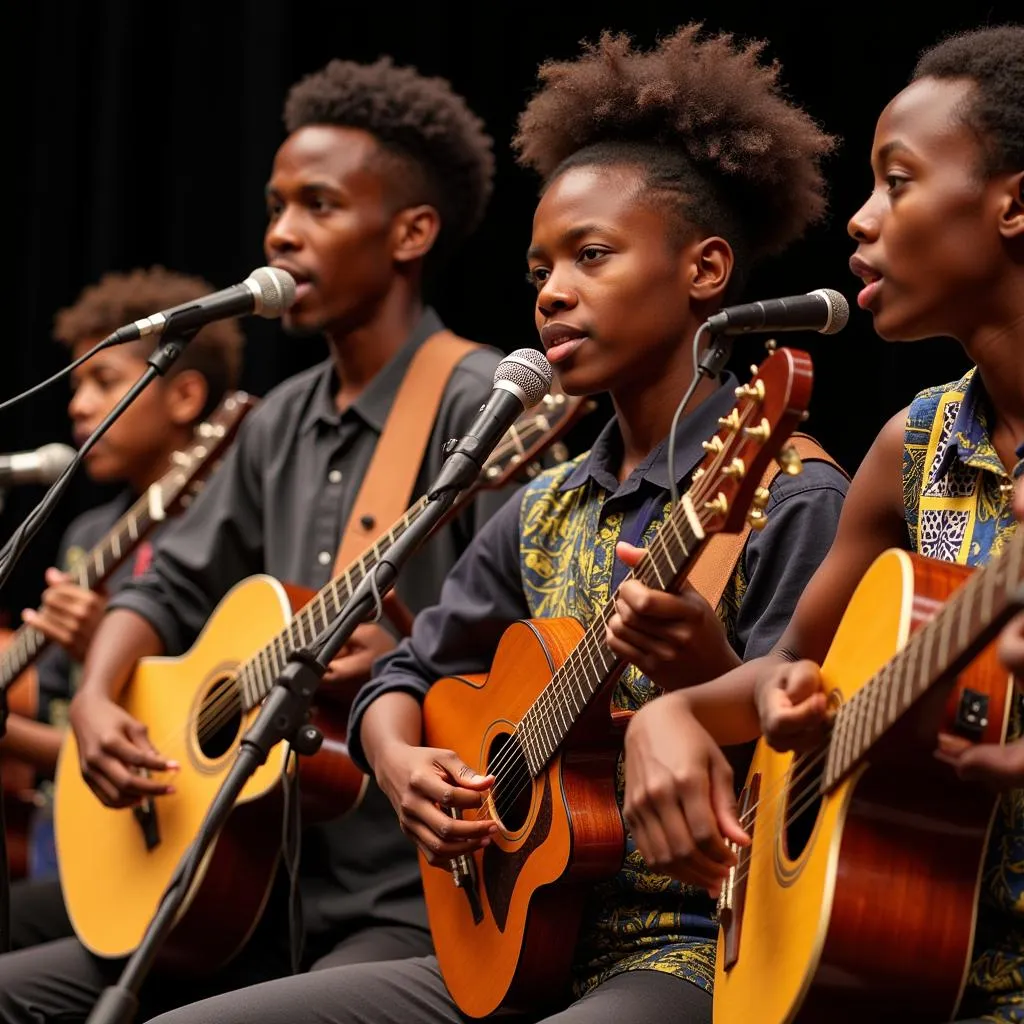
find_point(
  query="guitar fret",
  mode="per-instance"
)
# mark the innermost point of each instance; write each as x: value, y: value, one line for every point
x: 964, y: 610
x: 945, y: 628
x: 909, y: 671
x: 133, y: 529
x: 98, y: 560
x: 857, y: 743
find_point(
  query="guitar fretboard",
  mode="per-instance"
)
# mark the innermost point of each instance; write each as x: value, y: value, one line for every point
x: 591, y: 663
x: 28, y: 643
x: 257, y: 676
x: 941, y: 648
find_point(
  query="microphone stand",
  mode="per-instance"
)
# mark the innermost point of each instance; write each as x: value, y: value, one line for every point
x: 283, y: 716
x: 167, y: 351
x: 5, y: 877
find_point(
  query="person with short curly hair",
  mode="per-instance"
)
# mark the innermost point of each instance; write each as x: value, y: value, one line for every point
x: 647, y: 186
x: 382, y: 171
x: 134, y: 453
x: 940, y: 251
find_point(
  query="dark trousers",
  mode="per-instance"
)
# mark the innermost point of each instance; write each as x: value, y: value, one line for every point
x: 412, y: 992
x: 37, y: 913
x: 59, y: 982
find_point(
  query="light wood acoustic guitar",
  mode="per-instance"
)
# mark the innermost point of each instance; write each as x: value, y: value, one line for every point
x: 505, y: 919
x: 115, y: 864
x: 20, y: 648
x: 857, y: 898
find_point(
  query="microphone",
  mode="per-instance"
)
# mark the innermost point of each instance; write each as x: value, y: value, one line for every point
x: 42, y: 466
x: 267, y: 292
x: 823, y: 310
x: 521, y: 380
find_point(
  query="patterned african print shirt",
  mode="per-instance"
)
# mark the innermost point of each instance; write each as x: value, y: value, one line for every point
x: 958, y: 499
x: 551, y: 552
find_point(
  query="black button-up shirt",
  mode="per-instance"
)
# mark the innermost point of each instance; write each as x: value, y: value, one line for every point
x: 277, y: 505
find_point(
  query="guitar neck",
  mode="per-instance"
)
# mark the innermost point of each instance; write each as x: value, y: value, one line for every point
x: 257, y: 675
x: 591, y: 663
x: 935, y: 653
x: 28, y: 643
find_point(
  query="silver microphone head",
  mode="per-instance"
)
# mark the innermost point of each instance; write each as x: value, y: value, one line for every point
x: 839, y: 310
x: 53, y: 460
x: 274, y: 291
x: 528, y: 373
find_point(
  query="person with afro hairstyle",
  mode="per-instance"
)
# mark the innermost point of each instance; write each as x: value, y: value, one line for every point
x: 663, y: 172
x: 940, y: 248
x: 383, y: 172
x: 135, y: 452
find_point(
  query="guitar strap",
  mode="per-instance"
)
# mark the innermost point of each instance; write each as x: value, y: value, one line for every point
x: 716, y: 564
x: 386, y: 489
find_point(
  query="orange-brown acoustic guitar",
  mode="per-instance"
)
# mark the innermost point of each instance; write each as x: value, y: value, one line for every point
x: 115, y: 864
x: 20, y: 649
x: 505, y: 920
x: 857, y: 898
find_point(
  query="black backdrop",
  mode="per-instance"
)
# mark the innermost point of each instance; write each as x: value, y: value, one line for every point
x: 144, y: 132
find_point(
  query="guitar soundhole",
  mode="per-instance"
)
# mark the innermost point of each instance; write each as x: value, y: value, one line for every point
x: 803, y: 801
x: 220, y: 718
x: 513, y: 790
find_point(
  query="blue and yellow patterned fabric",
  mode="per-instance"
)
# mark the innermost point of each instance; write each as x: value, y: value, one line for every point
x: 958, y: 498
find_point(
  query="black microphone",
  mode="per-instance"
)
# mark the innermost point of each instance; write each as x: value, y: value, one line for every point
x: 521, y: 380
x: 824, y: 310
x: 267, y: 292
x: 42, y: 466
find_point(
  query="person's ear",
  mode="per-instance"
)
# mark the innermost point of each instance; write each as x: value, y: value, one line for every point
x: 185, y: 397
x: 414, y: 232
x: 710, y: 264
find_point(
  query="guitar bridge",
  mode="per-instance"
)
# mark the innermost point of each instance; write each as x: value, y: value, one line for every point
x: 464, y: 876
x: 734, y: 889
x: 145, y: 815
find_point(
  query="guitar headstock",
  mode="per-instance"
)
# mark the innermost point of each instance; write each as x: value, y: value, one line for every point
x: 517, y: 454
x: 192, y: 465
x: 726, y: 487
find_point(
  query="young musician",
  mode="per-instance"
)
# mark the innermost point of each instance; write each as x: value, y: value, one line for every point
x: 382, y: 173
x: 650, y: 213
x: 940, y: 248
x: 134, y: 452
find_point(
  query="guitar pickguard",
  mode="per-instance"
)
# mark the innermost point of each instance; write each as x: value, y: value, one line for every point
x: 502, y: 868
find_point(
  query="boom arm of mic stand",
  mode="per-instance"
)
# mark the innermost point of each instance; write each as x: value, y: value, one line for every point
x: 283, y: 716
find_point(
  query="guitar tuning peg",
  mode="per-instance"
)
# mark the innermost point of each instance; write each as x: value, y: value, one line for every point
x: 771, y: 345
x: 559, y: 452
x: 757, y: 519
x: 732, y: 421
x: 789, y: 461
x: 760, y: 500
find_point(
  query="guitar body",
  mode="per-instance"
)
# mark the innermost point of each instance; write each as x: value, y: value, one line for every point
x: 111, y: 877
x: 18, y: 776
x: 863, y: 907
x: 558, y: 835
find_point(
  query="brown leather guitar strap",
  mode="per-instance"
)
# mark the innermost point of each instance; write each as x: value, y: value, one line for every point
x: 716, y: 564
x: 386, y: 490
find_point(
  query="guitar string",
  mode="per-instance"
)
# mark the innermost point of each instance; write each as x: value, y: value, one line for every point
x: 561, y: 683
x: 507, y: 799
x: 217, y: 711
x: 220, y: 710
x: 803, y: 802
x: 882, y: 679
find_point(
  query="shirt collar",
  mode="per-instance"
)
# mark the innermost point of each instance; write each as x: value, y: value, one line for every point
x: 374, y: 404
x: 602, y: 461
x: 969, y: 438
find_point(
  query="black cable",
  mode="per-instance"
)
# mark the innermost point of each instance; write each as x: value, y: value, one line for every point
x: 105, y: 343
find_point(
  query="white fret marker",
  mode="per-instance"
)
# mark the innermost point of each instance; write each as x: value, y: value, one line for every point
x: 156, y: 503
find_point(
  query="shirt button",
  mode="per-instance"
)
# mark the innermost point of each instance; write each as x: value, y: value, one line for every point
x: 324, y: 557
x: 334, y: 476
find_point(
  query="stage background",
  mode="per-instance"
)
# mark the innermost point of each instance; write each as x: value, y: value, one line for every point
x: 143, y: 133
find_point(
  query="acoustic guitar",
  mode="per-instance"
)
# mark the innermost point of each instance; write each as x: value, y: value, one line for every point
x: 115, y: 865
x: 505, y: 919
x: 20, y: 649
x: 857, y: 898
